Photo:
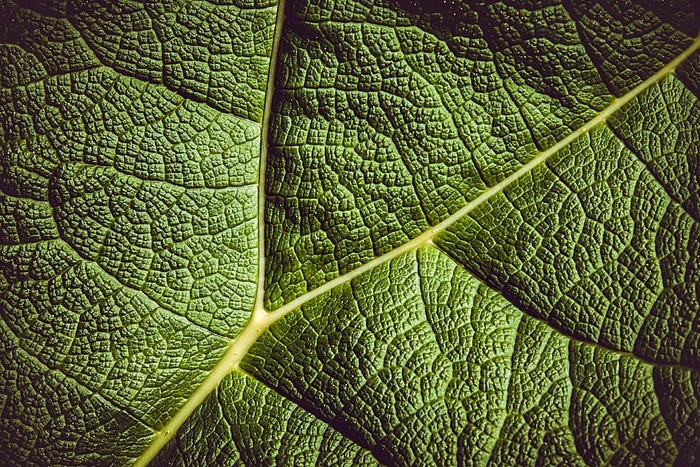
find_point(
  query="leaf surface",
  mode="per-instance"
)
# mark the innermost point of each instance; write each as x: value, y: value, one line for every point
x: 349, y: 233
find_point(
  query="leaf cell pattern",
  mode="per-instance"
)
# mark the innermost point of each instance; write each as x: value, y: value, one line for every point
x: 237, y: 232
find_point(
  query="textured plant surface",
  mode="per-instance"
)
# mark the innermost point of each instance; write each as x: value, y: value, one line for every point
x: 349, y: 233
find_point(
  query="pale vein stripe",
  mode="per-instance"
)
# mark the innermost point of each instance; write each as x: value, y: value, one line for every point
x: 264, y: 149
x: 257, y: 325
x: 261, y: 320
x: 540, y: 158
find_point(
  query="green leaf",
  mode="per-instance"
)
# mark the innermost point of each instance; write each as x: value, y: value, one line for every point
x: 349, y: 233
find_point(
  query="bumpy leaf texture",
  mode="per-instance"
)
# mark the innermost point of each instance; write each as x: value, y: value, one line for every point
x: 362, y: 232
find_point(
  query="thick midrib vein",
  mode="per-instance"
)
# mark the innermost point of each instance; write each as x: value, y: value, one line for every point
x: 262, y: 319
x: 264, y: 148
x: 258, y: 322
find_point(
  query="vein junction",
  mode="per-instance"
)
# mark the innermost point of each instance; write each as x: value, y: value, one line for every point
x: 261, y: 319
